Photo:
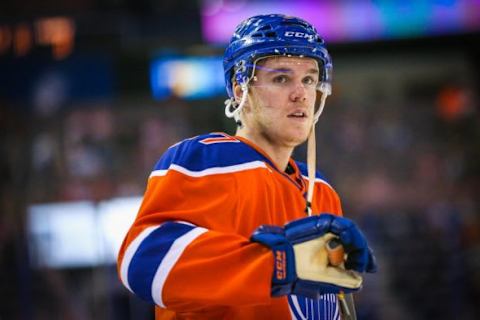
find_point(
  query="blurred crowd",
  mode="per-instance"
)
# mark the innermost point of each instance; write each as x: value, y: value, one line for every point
x: 408, y: 172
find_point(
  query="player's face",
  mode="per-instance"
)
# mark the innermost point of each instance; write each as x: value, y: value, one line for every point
x: 281, y: 103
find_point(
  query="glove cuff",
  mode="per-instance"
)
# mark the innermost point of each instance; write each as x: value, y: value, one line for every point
x: 310, y: 289
x: 284, y: 273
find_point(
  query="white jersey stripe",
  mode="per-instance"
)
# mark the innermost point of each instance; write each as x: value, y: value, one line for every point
x: 130, y: 252
x: 292, y: 315
x: 210, y: 171
x: 158, y: 173
x: 318, y: 180
x: 169, y: 261
x: 336, y: 315
x: 297, y: 307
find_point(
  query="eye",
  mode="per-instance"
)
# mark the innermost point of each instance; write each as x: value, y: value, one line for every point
x: 310, y: 80
x: 280, y: 79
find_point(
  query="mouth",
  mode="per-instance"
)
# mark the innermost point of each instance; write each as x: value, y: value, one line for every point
x: 298, y: 115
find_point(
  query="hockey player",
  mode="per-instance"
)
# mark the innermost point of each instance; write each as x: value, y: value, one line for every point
x: 231, y: 227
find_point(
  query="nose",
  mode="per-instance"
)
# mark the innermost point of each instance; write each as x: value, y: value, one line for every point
x: 298, y: 92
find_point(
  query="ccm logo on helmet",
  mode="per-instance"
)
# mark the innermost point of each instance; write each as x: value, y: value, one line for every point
x: 299, y: 35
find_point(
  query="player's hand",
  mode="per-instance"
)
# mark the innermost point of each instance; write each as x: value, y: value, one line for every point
x: 301, y: 264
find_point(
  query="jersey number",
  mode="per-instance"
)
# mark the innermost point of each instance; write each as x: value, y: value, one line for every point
x: 221, y: 139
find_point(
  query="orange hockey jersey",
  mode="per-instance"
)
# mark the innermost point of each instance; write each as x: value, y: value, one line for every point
x: 188, y: 251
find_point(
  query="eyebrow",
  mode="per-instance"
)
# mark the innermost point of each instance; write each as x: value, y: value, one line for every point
x: 284, y: 70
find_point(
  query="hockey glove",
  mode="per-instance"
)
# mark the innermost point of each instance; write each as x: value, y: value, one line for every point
x: 301, y: 263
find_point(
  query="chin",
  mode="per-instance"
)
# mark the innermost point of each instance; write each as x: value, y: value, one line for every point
x: 296, y: 140
x: 302, y: 136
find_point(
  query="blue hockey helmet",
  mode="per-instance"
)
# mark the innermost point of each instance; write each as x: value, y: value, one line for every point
x: 270, y: 35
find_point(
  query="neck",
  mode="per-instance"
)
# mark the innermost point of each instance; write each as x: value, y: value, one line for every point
x: 280, y: 154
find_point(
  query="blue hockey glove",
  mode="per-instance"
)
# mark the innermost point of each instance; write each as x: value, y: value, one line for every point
x: 301, y: 263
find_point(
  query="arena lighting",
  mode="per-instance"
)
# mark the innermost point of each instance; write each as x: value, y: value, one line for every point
x: 5, y: 38
x: 21, y: 38
x: 59, y: 32
x: 18, y: 38
x: 78, y: 234
x: 114, y: 218
x: 63, y: 235
x: 349, y: 21
x: 188, y: 77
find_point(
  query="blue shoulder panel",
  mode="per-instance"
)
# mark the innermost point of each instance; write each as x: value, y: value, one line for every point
x: 304, y: 170
x: 208, y: 151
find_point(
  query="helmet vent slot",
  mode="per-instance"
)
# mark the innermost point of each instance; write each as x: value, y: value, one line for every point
x: 270, y: 34
x: 294, y: 23
x: 265, y: 28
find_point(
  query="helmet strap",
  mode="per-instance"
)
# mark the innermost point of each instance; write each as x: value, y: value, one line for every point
x: 232, y: 108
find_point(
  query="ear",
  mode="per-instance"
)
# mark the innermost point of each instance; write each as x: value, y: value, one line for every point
x: 237, y: 92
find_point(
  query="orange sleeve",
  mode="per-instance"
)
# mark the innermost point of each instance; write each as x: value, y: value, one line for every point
x: 326, y: 199
x: 182, y: 253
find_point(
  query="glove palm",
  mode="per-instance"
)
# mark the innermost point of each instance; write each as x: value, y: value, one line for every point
x: 301, y: 259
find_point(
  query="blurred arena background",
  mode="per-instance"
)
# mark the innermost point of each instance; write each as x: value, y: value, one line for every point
x: 92, y: 92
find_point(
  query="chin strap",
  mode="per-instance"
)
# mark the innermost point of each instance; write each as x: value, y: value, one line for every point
x: 312, y: 146
x: 232, y: 108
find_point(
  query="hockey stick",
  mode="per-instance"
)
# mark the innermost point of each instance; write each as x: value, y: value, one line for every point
x: 336, y: 256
